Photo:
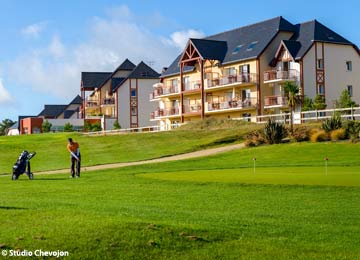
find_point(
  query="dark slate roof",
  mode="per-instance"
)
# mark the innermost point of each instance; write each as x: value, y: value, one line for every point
x: 115, y: 82
x: 126, y: 65
x: 52, y: 111
x: 259, y: 35
x: 143, y: 71
x: 292, y: 46
x: 15, y: 126
x: 94, y: 80
x: 312, y: 31
x: 77, y: 100
x: 174, y: 68
x: 210, y: 49
x: 68, y: 113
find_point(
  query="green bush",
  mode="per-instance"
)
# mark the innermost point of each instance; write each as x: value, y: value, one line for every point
x: 68, y: 127
x: 116, y: 125
x: 46, y: 126
x: 319, y: 136
x: 96, y: 127
x: 352, y: 129
x: 274, y: 132
x: 332, y: 123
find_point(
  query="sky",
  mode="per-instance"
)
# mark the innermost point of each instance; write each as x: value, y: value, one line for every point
x: 45, y: 45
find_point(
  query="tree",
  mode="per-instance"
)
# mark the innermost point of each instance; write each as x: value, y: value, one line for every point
x: 292, y: 91
x: 319, y: 102
x: 46, y: 126
x: 308, y: 104
x: 5, y: 125
x: 345, y: 100
x: 116, y: 125
x: 68, y: 127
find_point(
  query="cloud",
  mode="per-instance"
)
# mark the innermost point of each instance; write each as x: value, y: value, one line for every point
x: 56, y: 69
x: 180, y: 38
x: 5, y: 97
x: 34, y: 30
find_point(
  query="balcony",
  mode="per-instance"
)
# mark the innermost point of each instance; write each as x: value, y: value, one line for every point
x: 234, y: 104
x: 231, y: 80
x: 108, y: 102
x: 195, y: 108
x: 275, y: 101
x: 192, y: 86
x: 273, y: 76
x: 161, y: 91
x: 91, y: 104
x: 168, y: 112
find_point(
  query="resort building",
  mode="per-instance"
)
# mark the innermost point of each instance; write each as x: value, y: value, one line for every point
x: 241, y: 73
x: 122, y: 95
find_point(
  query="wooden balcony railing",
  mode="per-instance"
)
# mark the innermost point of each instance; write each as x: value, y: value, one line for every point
x: 231, y: 104
x: 281, y: 75
x: 275, y: 101
x: 164, y: 112
x: 161, y: 91
x: 108, y: 101
x: 231, y: 79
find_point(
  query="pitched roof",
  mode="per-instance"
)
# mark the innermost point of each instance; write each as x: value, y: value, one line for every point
x: 15, y: 126
x: 174, y: 68
x: 69, y: 113
x: 242, y: 43
x: 76, y: 101
x: 143, y: 71
x: 92, y: 80
x: 292, y: 47
x: 314, y: 31
x: 126, y: 65
x: 210, y: 49
x: 115, y: 82
x: 52, y: 110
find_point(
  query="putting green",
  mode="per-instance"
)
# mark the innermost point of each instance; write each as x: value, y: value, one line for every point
x: 335, y: 176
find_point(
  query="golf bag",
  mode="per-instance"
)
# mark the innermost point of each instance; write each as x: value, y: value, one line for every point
x: 23, y: 165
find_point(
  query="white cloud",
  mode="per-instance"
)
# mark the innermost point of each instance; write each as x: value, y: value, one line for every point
x: 34, y: 30
x: 5, y: 97
x: 56, y: 69
x: 180, y: 38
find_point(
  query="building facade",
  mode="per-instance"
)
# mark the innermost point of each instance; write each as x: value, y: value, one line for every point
x: 241, y: 73
x: 121, y: 96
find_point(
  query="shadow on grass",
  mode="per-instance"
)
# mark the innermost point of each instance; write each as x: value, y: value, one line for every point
x: 8, y: 208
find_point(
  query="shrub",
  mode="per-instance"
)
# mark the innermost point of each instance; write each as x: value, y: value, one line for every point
x: 68, y: 127
x: 352, y: 129
x: 332, y: 123
x: 46, y: 126
x: 338, y: 134
x: 319, y: 136
x: 274, y: 132
x: 254, y: 138
x: 116, y: 125
x: 96, y: 127
x: 301, y: 134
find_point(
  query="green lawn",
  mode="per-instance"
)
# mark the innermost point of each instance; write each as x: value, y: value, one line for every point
x: 209, y: 208
x: 52, y: 153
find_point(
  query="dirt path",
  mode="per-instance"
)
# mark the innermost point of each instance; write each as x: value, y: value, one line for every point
x: 196, y: 154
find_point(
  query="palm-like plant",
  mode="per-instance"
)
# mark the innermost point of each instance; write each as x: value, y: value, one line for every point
x: 292, y: 91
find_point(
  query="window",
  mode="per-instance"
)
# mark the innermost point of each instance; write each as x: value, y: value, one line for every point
x: 187, y: 83
x: 348, y: 66
x: 237, y: 49
x: 321, y: 89
x: 230, y: 71
x: 251, y: 46
x: 174, y: 82
x: 133, y: 111
x: 350, y: 90
x: 133, y: 92
x: 320, y: 64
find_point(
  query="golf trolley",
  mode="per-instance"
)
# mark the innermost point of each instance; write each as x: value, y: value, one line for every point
x: 23, y: 165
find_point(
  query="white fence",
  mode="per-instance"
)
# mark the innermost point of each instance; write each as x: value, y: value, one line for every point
x: 299, y: 117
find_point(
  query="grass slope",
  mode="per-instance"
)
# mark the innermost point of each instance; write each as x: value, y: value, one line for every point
x: 52, y: 153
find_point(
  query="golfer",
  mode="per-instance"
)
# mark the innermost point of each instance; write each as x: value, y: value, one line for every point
x: 75, y: 157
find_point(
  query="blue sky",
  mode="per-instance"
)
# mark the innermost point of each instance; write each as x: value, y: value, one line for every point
x: 46, y: 44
